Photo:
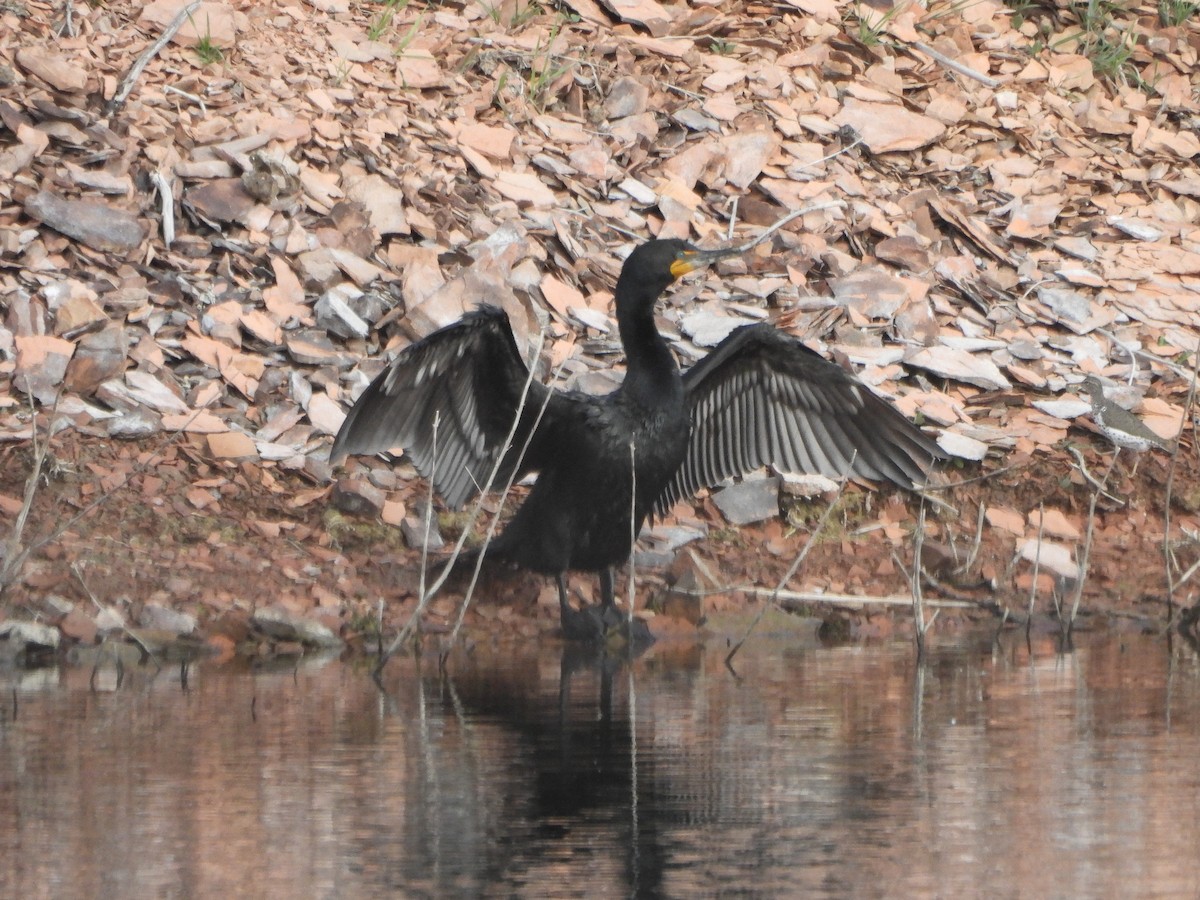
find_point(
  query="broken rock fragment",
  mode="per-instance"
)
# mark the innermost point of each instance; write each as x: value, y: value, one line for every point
x: 91, y: 222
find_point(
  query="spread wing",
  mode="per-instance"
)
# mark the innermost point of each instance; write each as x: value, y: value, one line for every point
x: 468, y: 377
x: 762, y: 397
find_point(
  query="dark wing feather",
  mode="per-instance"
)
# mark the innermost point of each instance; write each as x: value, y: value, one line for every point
x: 764, y: 398
x: 469, y: 377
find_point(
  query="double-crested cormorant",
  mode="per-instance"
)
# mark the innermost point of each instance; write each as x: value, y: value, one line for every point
x: 759, y: 398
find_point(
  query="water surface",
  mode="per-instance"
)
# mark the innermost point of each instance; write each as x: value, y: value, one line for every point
x: 989, y: 771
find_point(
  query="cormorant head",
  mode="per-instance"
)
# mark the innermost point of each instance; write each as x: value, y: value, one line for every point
x: 655, y: 264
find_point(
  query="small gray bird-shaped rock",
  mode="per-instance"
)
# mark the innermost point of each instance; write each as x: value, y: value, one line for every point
x: 1119, y: 425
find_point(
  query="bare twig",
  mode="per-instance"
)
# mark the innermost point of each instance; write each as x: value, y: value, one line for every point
x: 167, y: 198
x: 794, y: 214
x: 492, y: 525
x: 955, y: 66
x: 851, y: 601
x: 125, y: 86
x: 195, y: 98
x: 125, y: 628
x: 797, y: 562
x: 1171, y: 470
x: 828, y: 156
x: 437, y: 421
x: 977, y: 542
x: 427, y: 595
x: 632, y: 530
x: 1087, y: 544
x: 13, y: 564
x: 1037, y: 563
x: 14, y: 557
x: 65, y: 27
x: 1157, y: 361
x: 921, y: 627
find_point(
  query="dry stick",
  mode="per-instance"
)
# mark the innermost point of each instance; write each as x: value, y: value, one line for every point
x: 1155, y: 361
x: 491, y: 530
x: 14, y: 564
x: 195, y: 98
x: 799, y: 560
x: 167, y: 197
x: 978, y: 541
x: 125, y: 628
x: 1037, y: 563
x: 926, y: 488
x: 849, y: 600
x: 125, y: 87
x: 13, y: 558
x: 632, y: 529
x: 474, y: 517
x: 1091, y: 479
x: 66, y: 27
x: 779, y: 223
x: 437, y: 421
x: 794, y: 214
x: 1087, y: 544
x: 1187, y: 415
x: 922, y: 627
x: 955, y: 66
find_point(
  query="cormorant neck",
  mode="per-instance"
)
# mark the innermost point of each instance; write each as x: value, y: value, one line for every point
x: 652, y: 376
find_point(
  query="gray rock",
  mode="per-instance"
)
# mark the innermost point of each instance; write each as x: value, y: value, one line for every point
x: 707, y: 328
x: 283, y: 626
x: 336, y: 314
x: 1066, y: 304
x: 98, y: 225
x: 313, y: 348
x: 19, y: 639
x: 751, y: 501
x: 134, y: 426
x: 162, y: 618
x: 413, y: 529
x: 626, y: 97
x: 98, y: 357
x: 357, y: 497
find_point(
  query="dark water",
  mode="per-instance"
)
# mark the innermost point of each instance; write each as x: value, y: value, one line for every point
x: 843, y: 772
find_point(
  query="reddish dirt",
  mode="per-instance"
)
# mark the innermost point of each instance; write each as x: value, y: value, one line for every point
x: 218, y: 541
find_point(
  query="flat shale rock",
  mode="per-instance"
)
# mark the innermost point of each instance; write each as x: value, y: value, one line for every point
x: 98, y: 225
x: 281, y: 625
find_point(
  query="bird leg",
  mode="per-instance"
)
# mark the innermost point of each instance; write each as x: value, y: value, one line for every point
x: 595, y: 623
x: 608, y: 598
x: 608, y: 614
x: 577, y: 625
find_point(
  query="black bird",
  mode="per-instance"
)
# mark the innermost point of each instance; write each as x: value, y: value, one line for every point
x: 759, y: 398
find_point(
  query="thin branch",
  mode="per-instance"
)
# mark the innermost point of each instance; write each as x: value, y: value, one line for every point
x: 492, y: 525
x: 125, y: 628
x: 921, y: 626
x: 1171, y: 471
x: 797, y: 562
x: 1087, y: 544
x: 977, y: 542
x: 167, y: 198
x: 12, y: 565
x: 851, y: 601
x: 125, y: 86
x: 794, y: 214
x: 14, y: 558
x: 400, y: 638
x: 632, y: 530
x: 955, y: 65
x: 1037, y: 563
